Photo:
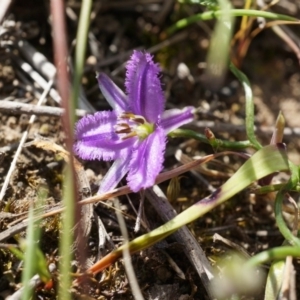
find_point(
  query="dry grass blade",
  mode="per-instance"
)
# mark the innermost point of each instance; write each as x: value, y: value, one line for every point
x: 15, y: 107
x: 112, y: 194
x: 183, y: 158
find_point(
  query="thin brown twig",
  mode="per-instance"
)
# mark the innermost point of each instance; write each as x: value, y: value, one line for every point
x: 71, y: 196
x: 116, y: 192
x: 14, y: 107
x: 60, y: 57
x: 111, y: 194
x: 160, y: 178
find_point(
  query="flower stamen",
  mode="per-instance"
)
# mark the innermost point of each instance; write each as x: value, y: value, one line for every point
x: 135, y: 126
x: 139, y: 119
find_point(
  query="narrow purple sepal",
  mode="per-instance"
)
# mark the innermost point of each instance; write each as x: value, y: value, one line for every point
x: 114, y: 175
x: 96, y: 139
x: 112, y: 93
x: 147, y: 161
x: 143, y: 86
x: 174, y: 118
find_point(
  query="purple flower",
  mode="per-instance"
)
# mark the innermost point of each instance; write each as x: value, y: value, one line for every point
x: 134, y: 133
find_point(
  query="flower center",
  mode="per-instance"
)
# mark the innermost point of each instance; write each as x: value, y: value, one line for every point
x: 130, y: 125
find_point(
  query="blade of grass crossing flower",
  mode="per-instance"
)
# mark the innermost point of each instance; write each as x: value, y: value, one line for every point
x: 249, y: 105
x: 33, y: 263
x: 69, y: 190
x: 259, y: 165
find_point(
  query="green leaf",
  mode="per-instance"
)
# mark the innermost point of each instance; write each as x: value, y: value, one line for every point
x: 274, y: 280
x: 249, y: 105
x: 264, y: 162
x: 211, y: 4
x: 217, y: 61
x: 32, y: 254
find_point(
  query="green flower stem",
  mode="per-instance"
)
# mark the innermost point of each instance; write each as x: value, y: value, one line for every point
x: 215, y: 143
x: 274, y: 188
x: 285, y: 231
x: 209, y: 15
x: 249, y: 105
x: 269, y: 188
x: 273, y: 254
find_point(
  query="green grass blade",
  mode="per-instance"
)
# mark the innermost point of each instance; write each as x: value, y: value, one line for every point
x: 30, y: 247
x: 217, y: 144
x: 217, y: 61
x: 284, y: 230
x: 274, y: 280
x: 29, y: 259
x: 264, y: 162
x: 209, y: 15
x: 66, y: 238
x: 273, y: 254
x: 249, y: 105
x: 80, y: 50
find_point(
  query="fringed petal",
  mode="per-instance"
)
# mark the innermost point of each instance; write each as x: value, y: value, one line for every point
x: 112, y: 93
x: 147, y: 161
x: 114, y: 175
x: 143, y: 87
x: 96, y: 138
x: 174, y: 118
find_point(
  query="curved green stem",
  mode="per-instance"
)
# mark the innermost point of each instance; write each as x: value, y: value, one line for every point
x: 249, y: 105
x: 274, y: 188
x: 209, y: 15
x: 273, y: 254
x: 284, y: 230
x: 215, y: 143
x: 189, y: 134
